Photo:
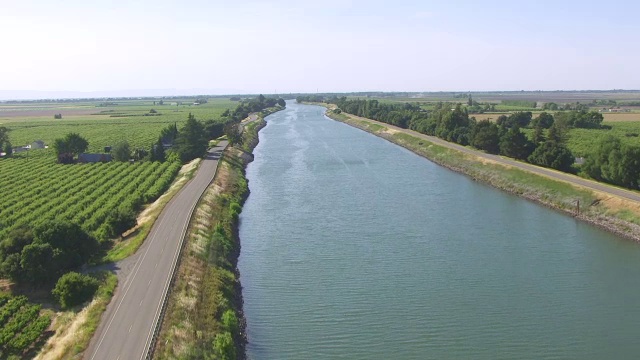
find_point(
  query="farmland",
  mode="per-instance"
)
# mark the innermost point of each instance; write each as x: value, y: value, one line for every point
x: 102, y: 123
x: 35, y: 188
x: 21, y: 324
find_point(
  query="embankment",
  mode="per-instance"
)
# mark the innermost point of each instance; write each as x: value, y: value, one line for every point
x: 204, y: 316
x: 615, y: 214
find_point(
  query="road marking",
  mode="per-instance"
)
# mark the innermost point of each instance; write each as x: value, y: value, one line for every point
x: 130, y: 327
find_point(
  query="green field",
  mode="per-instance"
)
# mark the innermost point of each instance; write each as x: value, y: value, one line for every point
x: 35, y: 188
x: 582, y: 141
x: 102, y: 126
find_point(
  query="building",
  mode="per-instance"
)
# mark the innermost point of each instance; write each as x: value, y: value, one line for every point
x: 38, y: 144
x: 93, y: 158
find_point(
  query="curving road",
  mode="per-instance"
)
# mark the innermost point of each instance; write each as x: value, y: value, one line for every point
x: 127, y: 327
x: 554, y: 174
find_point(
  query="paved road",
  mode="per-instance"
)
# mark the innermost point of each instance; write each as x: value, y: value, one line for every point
x: 558, y: 175
x: 126, y: 329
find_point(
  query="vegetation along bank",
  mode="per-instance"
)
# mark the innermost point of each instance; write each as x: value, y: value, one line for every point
x: 204, y: 318
x: 615, y: 214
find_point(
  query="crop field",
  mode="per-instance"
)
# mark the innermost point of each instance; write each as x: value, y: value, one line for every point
x: 582, y: 141
x: 34, y: 187
x: 102, y: 125
x: 20, y: 324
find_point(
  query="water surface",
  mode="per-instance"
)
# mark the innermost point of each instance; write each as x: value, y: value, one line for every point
x: 355, y: 248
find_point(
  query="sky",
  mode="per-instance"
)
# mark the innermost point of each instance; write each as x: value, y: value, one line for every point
x: 248, y: 47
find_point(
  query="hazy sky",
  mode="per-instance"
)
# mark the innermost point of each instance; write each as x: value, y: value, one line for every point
x: 328, y: 45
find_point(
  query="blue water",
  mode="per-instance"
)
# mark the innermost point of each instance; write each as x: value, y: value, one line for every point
x: 355, y: 248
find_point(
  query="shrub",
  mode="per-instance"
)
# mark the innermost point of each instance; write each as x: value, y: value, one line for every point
x: 73, y: 289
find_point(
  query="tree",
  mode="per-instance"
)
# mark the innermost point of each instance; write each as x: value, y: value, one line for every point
x: 4, y: 136
x: 520, y: 119
x: 73, y: 246
x: 514, y: 143
x: 544, y: 120
x: 214, y: 129
x: 8, y: 149
x: 553, y: 155
x: 538, y: 135
x: 485, y: 136
x: 121, y: 151
x: 614, y: 162
x: 157, y: 151
x: 140, y: 154
x: 588, y: 120
x: 36, y: 262
x: 281, y: 102
x: 234, y: 135
x: 10, y: 252
x: 192, y: 141
x: 73, y: 289
x: 121, y: 220
x: 71, y: 145
x: 224, y: 347
x: 558, y: 132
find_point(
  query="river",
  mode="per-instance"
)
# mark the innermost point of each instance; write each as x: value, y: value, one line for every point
x: 353, y: 247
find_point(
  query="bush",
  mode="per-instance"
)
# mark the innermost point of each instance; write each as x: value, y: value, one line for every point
x: 73, y: 289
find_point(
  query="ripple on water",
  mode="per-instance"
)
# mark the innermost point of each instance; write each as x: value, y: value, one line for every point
x: 355, y: 248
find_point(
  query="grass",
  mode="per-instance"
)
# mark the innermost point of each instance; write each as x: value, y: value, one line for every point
x: 206, y: 284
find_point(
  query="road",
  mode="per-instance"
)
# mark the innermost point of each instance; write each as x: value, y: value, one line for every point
x: 126, y: 329
x: 554, y: 174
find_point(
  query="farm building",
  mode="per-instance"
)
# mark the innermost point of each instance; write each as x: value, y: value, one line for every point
x: 38, y: 144
x: 93, y: 158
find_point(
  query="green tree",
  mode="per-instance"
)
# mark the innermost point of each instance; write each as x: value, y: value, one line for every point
x: 157, y: 151
x: 11, y: 252
x: 485, y: 136
x: 121, y: 151
x: 74, y: 289
x: 4, y: 136
x: 614, y: 162
x: 514, y: 143
x: 121, y: 220
x: 520, y: 119
x: 234, y: 135
x: 281, y: 102
x: 69, y: 147
x: 588, y: 120
x: 73, y: 246
x: 192, y: 141
x: 8, y: 149
x: 553, y: 155
x: 224, y: 347
x: 538, y: 135
x: 544, y: 120
x: 36, y: 262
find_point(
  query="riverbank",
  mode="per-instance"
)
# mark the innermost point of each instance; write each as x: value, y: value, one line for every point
x: 204, y: 314
x: 608, y: 211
